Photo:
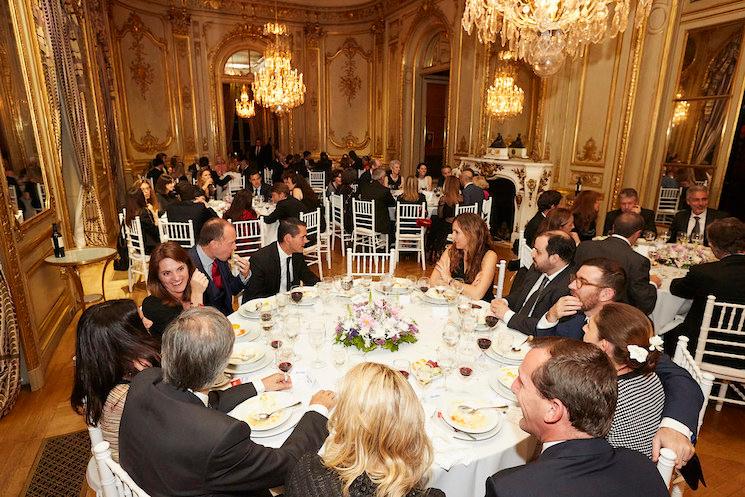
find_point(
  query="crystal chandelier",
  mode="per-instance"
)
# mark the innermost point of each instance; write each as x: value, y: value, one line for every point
x: 243, y: 106
x: 277, y: 85
x: 504, y: 99
x: 545, y: 32
x: 680, y: 111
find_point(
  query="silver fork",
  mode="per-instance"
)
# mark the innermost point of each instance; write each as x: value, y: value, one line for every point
x: 265, y: 415
x: 471, y: 410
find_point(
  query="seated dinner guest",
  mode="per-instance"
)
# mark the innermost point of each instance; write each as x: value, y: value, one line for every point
x: 626, y: 336
x: 424, y: 181
x: 411, y: 194
x: 164, y: 191
x: 381, y: 196
x: 470, y: 257
x: 301, y: 190
x: 472, y: 194
x: 696, y: 218
x: 150, y: 197
x: 191, y: 207
x: 287, y: 205
x: 280, y: 265
x: 394, y: 175
x: 543, y: 284
x: 256, y: 186
x: 334, y: 186
x: 377, y: 446
x: 725, y: 279
x: 175, y: 438
x: 585, y: 211
x: 112, y: 346
x: 567, y: 392
x: 210, y: 255
x: 241, y: 208
x: 546, y: 201
x: 641, y: 288
x: 628, y: 201
x: 137, y: 207
x: 173, y: 284
x: 558, y: 219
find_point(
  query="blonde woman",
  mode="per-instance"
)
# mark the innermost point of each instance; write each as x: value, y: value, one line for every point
x: 377, y: 446
x: 411, y: 194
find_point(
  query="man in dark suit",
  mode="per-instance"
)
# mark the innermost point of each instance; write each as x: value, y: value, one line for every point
x: 472, y: 194
x: 308, y: 163
x: 287, y: 205
x: 696, y: 219
x: 628, y: 201
x: 382, y: 199
x: 280, y: 265
x: 546, y: 201
x: 214, y: 247
x: 266, y: 153
x: 725, y: 279
x: 255, y: 155
x: 544, y: 283
x: 175, y: 438
x: 190, y: 208
x: 641, y: 289
x: 256, y: 186
x: 567, y: 392
x: 157, y: 169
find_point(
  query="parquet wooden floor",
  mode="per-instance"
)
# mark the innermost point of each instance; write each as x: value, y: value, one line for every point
x: 47, y: 412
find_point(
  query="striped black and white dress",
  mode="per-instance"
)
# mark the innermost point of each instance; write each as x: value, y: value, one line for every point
x: 638, y: 412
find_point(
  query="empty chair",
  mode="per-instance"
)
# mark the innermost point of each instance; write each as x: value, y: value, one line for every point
x: 324, y: 236
x: 337, y: 223
x: 248, y: 237
x: 460, y: 209
x: 363, y: 226
x: 371, y: 264
x: 721, y: 341
x: 268, y: 176
x: 499, y: 287
x: 667, y: 205
x: 138, y: 260
x: 181, y: 233
x: 236, y: 184
x: 312, y: 250
x: 318, y: 181
x: 486, y: 211
x: 410, y: 236
x: 114, y: 481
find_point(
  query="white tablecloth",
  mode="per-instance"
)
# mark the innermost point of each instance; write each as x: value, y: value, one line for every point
x: 461, y: 467
x: 268, y: 231
x: 432, y: 202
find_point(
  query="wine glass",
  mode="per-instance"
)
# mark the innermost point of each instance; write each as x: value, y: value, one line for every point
x: 484, y: 341
x: 682, y: 238
x: 649, y: 236
x: 402, y: 366
x: 339, y: 356
x: 266, y: 322
x: 468, y: 323
x: 446, y: 361
x: 466, y: 361
x: 386, y: 284
x: 296, y: 294
x: 346, y: 283
x: 283, y: 359
x: 464, y: 306
x: 423, y: 284
x: 663, y: 236
x: 457, y: 285
x: 281, y: 300
x: 697, y: 238
x: 491, y: 320
x: 317, y: 336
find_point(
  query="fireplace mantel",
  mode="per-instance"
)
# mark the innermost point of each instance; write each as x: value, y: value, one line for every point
x: 530, y: 179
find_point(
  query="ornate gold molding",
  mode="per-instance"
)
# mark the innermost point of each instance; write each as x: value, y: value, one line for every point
x: 350, y: 82
x: 149, y: 144
x: 289, y: 11
x: 589, y: 153
x: 140, y: 69
x: 349, y: 141
x: 593, y: 180
x: 180, y: 21
x: 313, y: 34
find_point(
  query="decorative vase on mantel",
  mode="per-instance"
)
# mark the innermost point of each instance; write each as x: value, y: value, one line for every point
x: 517, y: 149
x: 498, y: 149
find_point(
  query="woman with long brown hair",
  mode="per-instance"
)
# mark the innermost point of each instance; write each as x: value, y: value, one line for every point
x: 241, y: 209
x: 470, y: 257
x: 411, y: 194
x: 626, y: 335
x: 585, y: 212
x: 174, y: 285
x: 150, y: 197
x: 301, y: 190
x: 559, y: 219
x: 442, y: 223
x: 137, y: 206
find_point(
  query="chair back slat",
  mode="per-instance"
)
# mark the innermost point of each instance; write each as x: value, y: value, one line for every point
x: 363, y: 215
x: 268, y: 176
x: 317, y: 181
x: 135, y: 241
x: 667, y: 204
x: 460, y: 209
x: 248, y: 237
x: 115, y: 482
x: 705, y: 381
x: 524, y: 251
x: 312, y: 222
x: 665, y: 465
x: 371, y: 264
x: 406, y: 219
x: 486, y: 211
x: 179, y: 232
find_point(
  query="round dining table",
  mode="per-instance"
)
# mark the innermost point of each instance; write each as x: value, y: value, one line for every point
x: 461, y: 465
x: 77, y: 257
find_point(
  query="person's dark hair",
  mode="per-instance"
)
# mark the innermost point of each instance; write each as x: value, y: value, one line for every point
x: 110, y: 338
x: 585, y: 215
x: 349, y: 177
x: 198, y: 192
x: 242, y: 201
x: 628, y: 223
x: 628, y: 193
x: 252, y: 172
x: 306, y: 153
x: 158, y: 161
x: 309, y: 196
x: 418, y: 166
x: 614, y: 276
x: 548, y: 200
x: 556, y: 219
x: 479, y: 243
x: 582, y: 377
x: 622, y: 325
x: 336, y: 173
x: 167, y: 250
x: 280, y: 188
x: 289, y: 226
x: 204, y: 162
x: 160, y: 185
x: 561, y: 244
x: 728, y: 235
x: 135, y: 204
x: 185, y: 191
x: 212, y: 229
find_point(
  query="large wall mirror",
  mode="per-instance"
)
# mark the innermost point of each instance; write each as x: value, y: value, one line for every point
x: 24, y: 175
x: 702, y: 99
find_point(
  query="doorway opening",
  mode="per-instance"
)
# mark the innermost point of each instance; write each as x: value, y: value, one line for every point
x: 434, y: 132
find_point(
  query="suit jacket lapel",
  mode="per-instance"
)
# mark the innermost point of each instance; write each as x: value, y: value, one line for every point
x: 530, y: 280
x: 274, y: 263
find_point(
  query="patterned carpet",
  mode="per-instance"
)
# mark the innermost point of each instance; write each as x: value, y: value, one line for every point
x: 59, y: 468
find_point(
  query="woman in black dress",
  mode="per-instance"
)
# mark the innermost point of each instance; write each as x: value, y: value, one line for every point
x: 174, y: 285
x: 411, y: 194
x: 585, y: 212
x: 137, y: 206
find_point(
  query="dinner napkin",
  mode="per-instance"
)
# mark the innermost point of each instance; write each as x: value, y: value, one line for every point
x: 449, y: 451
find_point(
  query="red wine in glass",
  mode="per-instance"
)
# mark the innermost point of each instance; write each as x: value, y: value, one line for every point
x: 296, y: 296
x: 423, y: 289
x: 484, y: 343
x: 466, y: 371
x: 405, y: 373
x: 491, y: 321
x: 276, y: 344
x: 285, y: 366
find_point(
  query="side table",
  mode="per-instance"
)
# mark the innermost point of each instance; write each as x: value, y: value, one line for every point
x: 74, y: 258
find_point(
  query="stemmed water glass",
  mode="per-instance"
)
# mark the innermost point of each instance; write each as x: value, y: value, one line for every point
x: 281, y: 300
x: 386, y: 284
x: 446, y: 361
x: 317, y: 336
x: 292, y: 328
x: 650, y: 236
x: 296, y: 294
x: 457, y: 285
x: 423, y: 284
x: 697, y: 238
x: 450, y: 336
x: 682, y: 238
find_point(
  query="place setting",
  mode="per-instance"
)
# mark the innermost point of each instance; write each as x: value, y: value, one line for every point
x: 248, y: 358
x: 468, y: 418
x: 270, y: 413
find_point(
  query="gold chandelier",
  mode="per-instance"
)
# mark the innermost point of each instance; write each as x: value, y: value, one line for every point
x: 680, y: 111
x: 277, y: 85
x: 545, y: 32
x: 243, y: 106
x: 504, y: 99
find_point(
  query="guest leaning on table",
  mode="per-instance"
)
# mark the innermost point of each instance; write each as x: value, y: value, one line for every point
x: 378, y: 446
x: 174, y: 285
x: 567, y: 392
x: 112, y: 346
x: 175, y: 438
x: 470, y: 257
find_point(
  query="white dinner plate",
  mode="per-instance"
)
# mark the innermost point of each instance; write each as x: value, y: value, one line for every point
x: 500, y: 390
x: 480, y: 422
x: 249, y: 368
x: 265, y: 402
x: 247, y: 353
x: 244, y: 334
x: 400, y: 287
x: 468, y: 437
x: 252, y: 309
x: 436, y: 296
x: 506, y: 375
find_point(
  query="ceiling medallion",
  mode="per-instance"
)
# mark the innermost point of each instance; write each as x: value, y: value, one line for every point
x: 504, y: 99
x: 243, y: 106
x: 545, y: 32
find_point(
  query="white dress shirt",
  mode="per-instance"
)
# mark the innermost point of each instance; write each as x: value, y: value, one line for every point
x: 509, y: 313
x: 692, y: 222
x: 283, y: 256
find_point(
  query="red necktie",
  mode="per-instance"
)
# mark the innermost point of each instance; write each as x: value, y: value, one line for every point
x: 216, y: 278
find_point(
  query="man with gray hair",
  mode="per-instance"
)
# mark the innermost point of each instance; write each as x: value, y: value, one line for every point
x: 697, y: 217
x: 175, y: 437
x: 377, y: 191
x: 628, y: 201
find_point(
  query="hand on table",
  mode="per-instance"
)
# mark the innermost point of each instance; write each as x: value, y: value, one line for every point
x: 326, y: 398
x: 565, y: 306
x: 675, y: 440
x: 655, y: 280
x: 499, y: 307
x: 276, y: 382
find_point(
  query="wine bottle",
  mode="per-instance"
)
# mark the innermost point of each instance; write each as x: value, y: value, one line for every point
x: 578, y: 186
x: 58, y: 242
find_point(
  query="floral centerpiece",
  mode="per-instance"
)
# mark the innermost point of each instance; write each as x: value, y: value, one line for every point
x: 371, y: 324
x: 682, y: 255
